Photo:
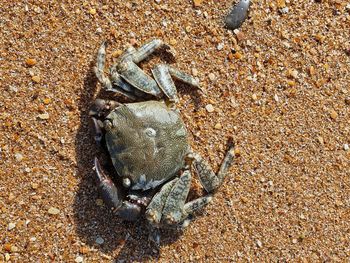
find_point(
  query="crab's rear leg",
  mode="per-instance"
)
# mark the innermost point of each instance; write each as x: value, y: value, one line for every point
x: 155, y: 208
x: 163, y: 75
x: 209, y: 180
x: 176, y: 211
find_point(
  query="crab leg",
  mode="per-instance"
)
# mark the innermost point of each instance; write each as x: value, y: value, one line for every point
x: 208, y: 178
x: 147, y: 49
x: 137, y: 78
x: 173, y: 212
x: 120, y: 85
x: 155, y: 208
x: 184, y: 77
x: 197, y: 204
x: 163, y: 75
x: 100, y: 65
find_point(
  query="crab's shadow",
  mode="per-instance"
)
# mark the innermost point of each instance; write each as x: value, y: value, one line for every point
x: 93, y: 220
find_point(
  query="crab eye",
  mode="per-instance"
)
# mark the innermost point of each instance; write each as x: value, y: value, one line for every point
x: 150, y: 132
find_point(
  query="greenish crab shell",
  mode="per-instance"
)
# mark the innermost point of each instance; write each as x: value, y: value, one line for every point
x: 147, y: 142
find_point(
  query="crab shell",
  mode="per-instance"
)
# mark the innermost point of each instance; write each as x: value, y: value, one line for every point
x: 147, y: 142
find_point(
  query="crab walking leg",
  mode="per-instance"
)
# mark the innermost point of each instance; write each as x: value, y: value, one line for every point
x: 197, y: 204
x: 163, y: 75
x: 184, y: 77
x: 110, y: 193
x: 207, y: 177
x: 173, y: 212
x: 137, y: 78
x: 146, y: 50
x: 99, y: 68
x: 120, y: 85
x: 155, y: 208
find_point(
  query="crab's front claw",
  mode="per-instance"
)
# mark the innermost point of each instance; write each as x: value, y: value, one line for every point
x: 111, y: 195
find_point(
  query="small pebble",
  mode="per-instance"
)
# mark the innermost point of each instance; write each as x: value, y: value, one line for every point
x: 99, y: 202
x: 47, y: 101
x: 320, y: 140
x: 7, y: 256
x: 44, y: 116
x: 53, y: 211
x: 99, y: 240
x: 220, y: 46
x: 209, y: 108
x: 84, y: 250
x: 32, y: 239
x: 34, y: 186
x: 14, y: 249
x: 79, y: 259
x: 211, y: 76
x: 11, y: 196
x: 92, y: 11
x: 240, y: 35
x: 36, y: 79
x: 173, y: 41
x: 117, y: 53
x: 98, y: 30
x: 237, y: 15
x: 312, y: 70
x: 238, y: 55
x: 19, y: 157
x: 11, y: 226
x: 346, y: 147
x: 254, y: 97
x: 218, y: 126
x: 284, y: 10
x: 293, y: 73
x: 7, y: 247
x: 194, y: 72
x: 30, y: 62
x: 294, y: 241
x: 334, y: 114
x: 133, y: 41
x: 197, y: 3
x: 258, y: 243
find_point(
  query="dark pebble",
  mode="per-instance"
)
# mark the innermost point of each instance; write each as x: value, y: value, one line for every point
x: 237, y: 15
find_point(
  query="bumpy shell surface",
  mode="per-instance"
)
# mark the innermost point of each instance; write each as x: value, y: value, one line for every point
x: 147, y: 142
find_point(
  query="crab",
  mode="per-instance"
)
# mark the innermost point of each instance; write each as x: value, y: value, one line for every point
x: 148, y: 143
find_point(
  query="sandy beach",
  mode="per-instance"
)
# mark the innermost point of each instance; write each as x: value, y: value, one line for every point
x: 279, y: 86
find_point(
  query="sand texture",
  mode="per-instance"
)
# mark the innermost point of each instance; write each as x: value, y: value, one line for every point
x: 280, y: 87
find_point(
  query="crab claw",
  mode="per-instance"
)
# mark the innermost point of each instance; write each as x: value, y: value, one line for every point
x: 111, y: 195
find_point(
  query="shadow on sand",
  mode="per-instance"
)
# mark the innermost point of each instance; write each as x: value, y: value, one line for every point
x: 128, y: 240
